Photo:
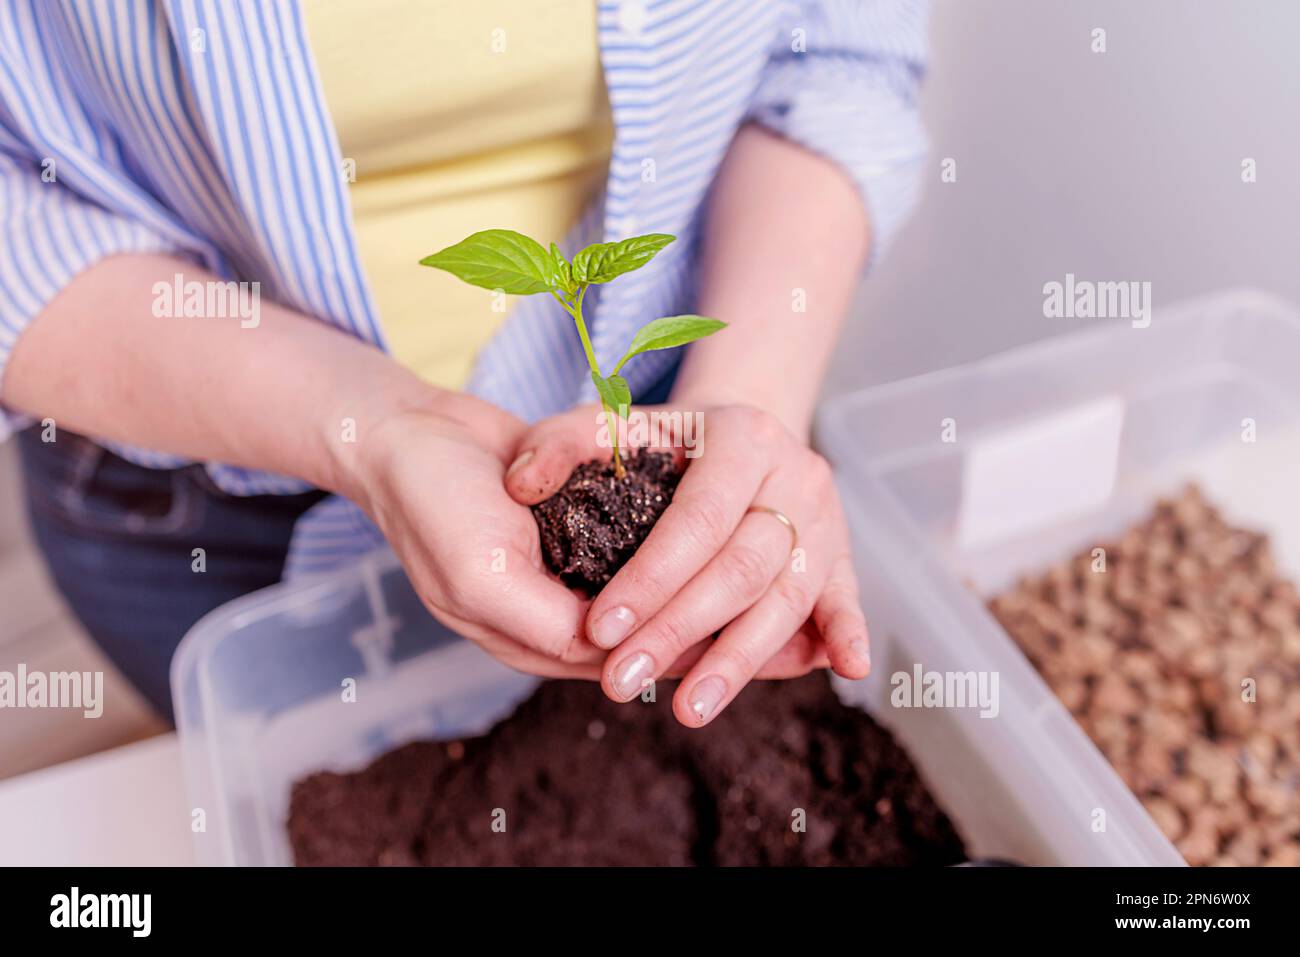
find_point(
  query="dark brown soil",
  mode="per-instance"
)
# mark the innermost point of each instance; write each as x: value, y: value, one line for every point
x: 593, y: 524
x: 578, y: 780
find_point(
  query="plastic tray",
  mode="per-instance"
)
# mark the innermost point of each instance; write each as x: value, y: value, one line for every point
x: 957, y: 482
x: 259, y: 691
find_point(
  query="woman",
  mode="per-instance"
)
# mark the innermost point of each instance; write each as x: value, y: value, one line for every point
x: 155, y: 147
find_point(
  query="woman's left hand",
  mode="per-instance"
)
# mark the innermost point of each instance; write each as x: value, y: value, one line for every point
x: 717, y: 559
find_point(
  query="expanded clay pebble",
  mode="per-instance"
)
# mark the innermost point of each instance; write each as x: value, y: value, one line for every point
x: 1181, y: 660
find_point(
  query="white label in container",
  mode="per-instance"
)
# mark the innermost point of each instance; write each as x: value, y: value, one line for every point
x: 1039, y: 473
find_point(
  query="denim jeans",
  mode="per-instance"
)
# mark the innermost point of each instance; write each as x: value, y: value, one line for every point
x: 120, y: 544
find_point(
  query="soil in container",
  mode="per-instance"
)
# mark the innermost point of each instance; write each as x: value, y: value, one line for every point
x: 786, y: 776
x: 593, y: 524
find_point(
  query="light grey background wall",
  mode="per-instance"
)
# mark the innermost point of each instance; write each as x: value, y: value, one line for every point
x: 1123, y: 165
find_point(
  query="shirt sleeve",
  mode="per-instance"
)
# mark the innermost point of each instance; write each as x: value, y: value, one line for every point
x: 843, y: 81
x: 49, y: 234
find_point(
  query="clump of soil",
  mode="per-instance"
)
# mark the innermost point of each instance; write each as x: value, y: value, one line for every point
x: 1178, y: 651
x: 786, y: 776
x: 593, y: 524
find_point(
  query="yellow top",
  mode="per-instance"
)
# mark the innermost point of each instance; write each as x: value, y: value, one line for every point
x: 456, y: 117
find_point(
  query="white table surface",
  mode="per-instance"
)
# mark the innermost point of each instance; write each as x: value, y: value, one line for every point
x: 123, y: 807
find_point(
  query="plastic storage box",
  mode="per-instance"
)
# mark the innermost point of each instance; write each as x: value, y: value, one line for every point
x: 259, y: 686
x: 958, y: 482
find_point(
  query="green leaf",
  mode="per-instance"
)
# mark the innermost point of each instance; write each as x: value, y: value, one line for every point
x: 622, y: 393
x: 602, y: 262
x: 614, y: 392
x: 562, y: 273
x: 498, y: 259
x: 670, y: 332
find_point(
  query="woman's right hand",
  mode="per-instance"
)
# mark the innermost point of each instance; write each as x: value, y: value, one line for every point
x: 432, y: 478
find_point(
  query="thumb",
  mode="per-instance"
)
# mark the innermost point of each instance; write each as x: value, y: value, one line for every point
x: 550, y: 451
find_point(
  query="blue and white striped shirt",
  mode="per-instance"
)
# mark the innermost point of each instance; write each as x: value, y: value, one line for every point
x: 198, y: 128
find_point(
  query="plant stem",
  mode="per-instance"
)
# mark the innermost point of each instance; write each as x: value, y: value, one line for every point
x: 610, y: 418
x: 612, y: 421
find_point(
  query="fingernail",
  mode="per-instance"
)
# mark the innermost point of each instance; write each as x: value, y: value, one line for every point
x: 612, y: 627
x: 517, y: 464
x: 632, y: 674
x: 858, y: 649
x: 706, y: 696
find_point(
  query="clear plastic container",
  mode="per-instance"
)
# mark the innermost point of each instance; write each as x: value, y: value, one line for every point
x: 957, y: 482
x: 259, y: 692
x: 259, y: 686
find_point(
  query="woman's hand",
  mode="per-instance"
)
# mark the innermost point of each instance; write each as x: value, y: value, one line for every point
x: 432, y: 479
x: 717, y: 561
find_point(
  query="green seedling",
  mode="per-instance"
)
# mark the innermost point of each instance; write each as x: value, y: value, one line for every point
x: 506, y: 261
